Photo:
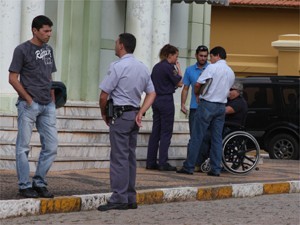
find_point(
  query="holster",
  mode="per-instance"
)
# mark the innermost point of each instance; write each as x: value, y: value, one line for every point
x: 110, y: 108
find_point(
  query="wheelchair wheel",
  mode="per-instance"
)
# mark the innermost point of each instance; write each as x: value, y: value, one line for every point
x: 205, y: 167
x: 240, y: 152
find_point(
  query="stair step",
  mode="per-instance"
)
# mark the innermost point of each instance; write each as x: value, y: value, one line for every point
x: 84, y: 139
x: 86, y: 123
x: 88, y: 150
x: 88, y: 136
x: 76, y: 164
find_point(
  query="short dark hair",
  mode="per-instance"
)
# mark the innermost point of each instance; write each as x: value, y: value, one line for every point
x: 39, y: 21
x: 201, y: 48
x: 129, y: 42
x: 218, y: 51
x: 167, y: 50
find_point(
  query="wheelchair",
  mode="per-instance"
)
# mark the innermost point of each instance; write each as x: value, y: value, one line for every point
x: 241, y: 153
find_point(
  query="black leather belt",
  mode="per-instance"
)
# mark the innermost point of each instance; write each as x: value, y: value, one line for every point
x: 126, y: 108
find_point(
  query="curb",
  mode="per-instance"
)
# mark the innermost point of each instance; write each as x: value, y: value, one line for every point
x: 75, y: 203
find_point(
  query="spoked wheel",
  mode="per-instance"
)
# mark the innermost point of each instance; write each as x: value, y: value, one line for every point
x: 205, y: 167
x: 240, y: 152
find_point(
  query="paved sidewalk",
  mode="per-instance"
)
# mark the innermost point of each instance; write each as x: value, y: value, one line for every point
x: 91, y: 187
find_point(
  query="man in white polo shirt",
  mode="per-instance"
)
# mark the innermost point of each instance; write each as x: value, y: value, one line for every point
x: 210, y: 113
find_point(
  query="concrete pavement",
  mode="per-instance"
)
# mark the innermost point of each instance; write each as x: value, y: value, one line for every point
x: 79, y: 190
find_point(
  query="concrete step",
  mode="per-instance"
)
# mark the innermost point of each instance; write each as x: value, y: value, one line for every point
x: 74, y: 164
x: 88, y: 136
x: 84, y: 139
x: 83, y: 155
x: 89, y: 151
x: 79, y: 109
x: 86, y: 123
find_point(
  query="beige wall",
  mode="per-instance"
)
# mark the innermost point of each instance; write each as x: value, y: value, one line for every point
x: 247, y: 34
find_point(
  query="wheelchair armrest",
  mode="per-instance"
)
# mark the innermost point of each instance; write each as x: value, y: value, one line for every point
x: 234, y: 126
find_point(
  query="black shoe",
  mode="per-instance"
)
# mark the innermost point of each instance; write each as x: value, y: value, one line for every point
x: 212, y: 174
x: 182, y: 170
x: 110, y: 206
x: 154, y: 167
x: 43, y: 192
x: 167, y: 167
x: 28, y: 193
x: 132, y: 205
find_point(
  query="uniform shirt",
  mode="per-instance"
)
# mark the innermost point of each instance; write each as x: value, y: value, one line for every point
x: 223, y: 78
x: 35, y: 64
x: 165, y: 78
x: 191, y: 76
x: 240, y: 108
x: 126, y: 80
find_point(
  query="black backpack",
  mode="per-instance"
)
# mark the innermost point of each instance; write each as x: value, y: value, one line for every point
x: 60, y: 91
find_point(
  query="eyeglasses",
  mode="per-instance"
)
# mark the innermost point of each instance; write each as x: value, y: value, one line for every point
x: 232, y: 89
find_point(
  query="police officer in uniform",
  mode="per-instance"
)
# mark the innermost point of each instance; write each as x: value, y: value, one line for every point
x: 126, y: 80
x: 166, y: 76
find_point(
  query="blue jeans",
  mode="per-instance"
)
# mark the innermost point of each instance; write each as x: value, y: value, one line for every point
x: 211, y: 116
x: 44, y: 117
x: 205, y: 145
x: 191, y: 119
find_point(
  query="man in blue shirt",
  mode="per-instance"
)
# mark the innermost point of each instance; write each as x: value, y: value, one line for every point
x: 210, y: 114
x: 190, y: 78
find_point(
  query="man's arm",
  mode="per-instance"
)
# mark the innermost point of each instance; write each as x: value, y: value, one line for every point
x: 149, y: 99
x: 14, y: 81
x: 102, y: 103
x: 197, y: 91
x: 229, y: 110
x: 184, y: 94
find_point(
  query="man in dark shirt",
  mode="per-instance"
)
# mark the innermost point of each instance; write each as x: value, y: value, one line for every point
x: 236, y: 109
x: 30, y: 74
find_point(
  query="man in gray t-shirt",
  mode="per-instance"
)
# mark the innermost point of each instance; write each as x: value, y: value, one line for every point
x: 30, y: 74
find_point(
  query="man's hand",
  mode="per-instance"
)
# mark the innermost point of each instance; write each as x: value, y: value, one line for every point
x: 106, y: 119
x: 149, y: 99
x: 138, y: 119
x: 14, y: 81
x: 183, y: 109
x: 184, y: 94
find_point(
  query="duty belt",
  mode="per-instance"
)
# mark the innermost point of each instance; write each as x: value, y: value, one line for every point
x: 119, y: 109
x: 125, y: 108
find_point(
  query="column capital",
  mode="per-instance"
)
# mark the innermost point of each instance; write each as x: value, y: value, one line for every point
x: 287, y: 42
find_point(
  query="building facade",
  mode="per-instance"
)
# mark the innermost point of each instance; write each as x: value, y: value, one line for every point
x: 84, y: 33
x: 261, y: 36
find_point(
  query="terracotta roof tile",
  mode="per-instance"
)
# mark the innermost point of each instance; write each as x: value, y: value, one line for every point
x: 282, y: 3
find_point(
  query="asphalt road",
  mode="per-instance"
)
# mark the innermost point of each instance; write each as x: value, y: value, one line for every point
x: 279, y: 209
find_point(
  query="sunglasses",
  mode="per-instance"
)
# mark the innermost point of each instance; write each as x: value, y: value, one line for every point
x: 202, y: 48
x: 232, y: 89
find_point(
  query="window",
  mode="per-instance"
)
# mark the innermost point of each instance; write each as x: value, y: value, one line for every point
x: 259, y: 97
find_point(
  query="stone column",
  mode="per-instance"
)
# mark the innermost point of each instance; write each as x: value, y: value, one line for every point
x: 139, y: 17
x: 288, y: 47
x: 10, y: 14
x: 30, y: 9
x: 161, y: 27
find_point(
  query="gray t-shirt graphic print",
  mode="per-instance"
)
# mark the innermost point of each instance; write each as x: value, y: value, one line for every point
x: 35, y: 64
